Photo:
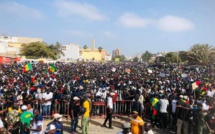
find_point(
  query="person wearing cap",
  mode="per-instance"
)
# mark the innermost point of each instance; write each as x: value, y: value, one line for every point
x: 74, y: 113
x: 51, y: 129
x: 109, y: 110
x: 126, y: 128
x: 57, y: 122
x: 25, y: 119
x: 137, y: 124
x: 148, y: 129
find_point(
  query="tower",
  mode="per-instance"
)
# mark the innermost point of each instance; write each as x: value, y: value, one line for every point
x: 93, y: 44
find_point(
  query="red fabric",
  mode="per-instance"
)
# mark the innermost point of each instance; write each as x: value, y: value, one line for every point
x: 115, y: 98
x: 198, y: 82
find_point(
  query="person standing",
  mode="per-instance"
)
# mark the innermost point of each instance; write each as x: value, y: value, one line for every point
x: 74, y: 113
x: 109, y: 110
x: 47, y: 103
x: 163, y: 112
x: 137, y: 124
x: 137, y: 106
x: 38, y: 123
x: 25, y: 119
x: 86, y: 116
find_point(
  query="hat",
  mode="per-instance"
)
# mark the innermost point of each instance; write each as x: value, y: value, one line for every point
x: 75, y: 98
x: 126, y: 125
x: 24, y: 107
x: 135, y: 112
x: 50, y: 127
x: 57, y: 116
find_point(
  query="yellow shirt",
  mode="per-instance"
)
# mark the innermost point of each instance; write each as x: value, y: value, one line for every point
x: 135, y: 125
x: 86, y: 105
x: 10, y: 109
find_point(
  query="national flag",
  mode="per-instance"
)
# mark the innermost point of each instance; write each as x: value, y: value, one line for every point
x: 52, y: 68
x: 27, y: 67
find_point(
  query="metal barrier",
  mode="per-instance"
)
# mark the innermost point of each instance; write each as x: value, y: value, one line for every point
x: 120, y: 108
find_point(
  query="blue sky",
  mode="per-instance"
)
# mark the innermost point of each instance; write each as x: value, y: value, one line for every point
x: 133, y: 26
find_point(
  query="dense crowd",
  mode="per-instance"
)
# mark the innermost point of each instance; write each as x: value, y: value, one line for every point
x: 173, y: 97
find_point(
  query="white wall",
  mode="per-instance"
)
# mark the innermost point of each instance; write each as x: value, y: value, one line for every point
x: 3, y: 47
x: 71, y: 52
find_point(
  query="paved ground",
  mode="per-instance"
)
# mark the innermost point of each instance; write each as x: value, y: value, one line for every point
x: 95, y: 126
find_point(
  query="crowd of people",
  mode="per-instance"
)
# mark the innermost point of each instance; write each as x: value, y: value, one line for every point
x: 172, y: 97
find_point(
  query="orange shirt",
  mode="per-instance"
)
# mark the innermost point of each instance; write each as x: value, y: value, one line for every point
x: 136, y: 124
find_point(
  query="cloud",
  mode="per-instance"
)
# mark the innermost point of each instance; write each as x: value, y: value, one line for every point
x: 109, y: 35
x: 133, y: 20
x: 167, y: 23
x: 84, y: 10
x: 16, y: 9
x: 175, y: 24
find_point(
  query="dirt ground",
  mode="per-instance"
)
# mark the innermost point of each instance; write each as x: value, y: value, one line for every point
x: 95, y: 126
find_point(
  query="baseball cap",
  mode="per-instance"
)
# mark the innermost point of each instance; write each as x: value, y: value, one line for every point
x: 24, y: 107
x: 57, y: 116
x: 126, y: 125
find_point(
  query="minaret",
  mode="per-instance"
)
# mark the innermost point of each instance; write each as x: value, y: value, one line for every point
x: 93, y: 44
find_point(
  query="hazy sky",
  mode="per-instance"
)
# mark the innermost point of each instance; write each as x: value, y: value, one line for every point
x: 133, y: 26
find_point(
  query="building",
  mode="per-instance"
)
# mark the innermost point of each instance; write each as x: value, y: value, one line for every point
x: 116, y: 53
x: 93, y: 53
x: 71, y: 52
x: 18, y: 41
x: 10, y: 46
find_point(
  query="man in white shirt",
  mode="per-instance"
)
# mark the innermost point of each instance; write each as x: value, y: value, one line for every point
x: 47, y: 97
x: 109, y: 110
x: 163, y: 111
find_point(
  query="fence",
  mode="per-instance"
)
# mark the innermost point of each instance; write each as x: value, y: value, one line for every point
x: 120, y: 108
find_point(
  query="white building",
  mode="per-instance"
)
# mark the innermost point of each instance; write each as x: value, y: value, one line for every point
x: 71, y: 52
x: 6, y: 50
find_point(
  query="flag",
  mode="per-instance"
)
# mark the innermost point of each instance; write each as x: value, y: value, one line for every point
x: 27, y: 67
x: 52, y: 68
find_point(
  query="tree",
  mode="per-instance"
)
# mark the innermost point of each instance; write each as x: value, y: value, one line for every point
x: 135, y: 59
x: 85, y: 47
x: 172, y: 57
x: 146, y: 56
x: 121, y: 58
x: 183, y: 55
x: 201, y: 54
x: 100, y: 49
x: 56, y: 49
x: 37, y: 50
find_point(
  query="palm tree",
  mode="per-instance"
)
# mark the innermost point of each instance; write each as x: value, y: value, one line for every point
x: 201, y: 54
x: 100, y: 49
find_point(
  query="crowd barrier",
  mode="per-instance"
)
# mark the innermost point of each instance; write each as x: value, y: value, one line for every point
x: 120, y: 108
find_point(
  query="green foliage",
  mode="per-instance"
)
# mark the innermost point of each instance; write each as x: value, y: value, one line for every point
x: 121, y: 58
x: 100, y: 49
x: 85, y: 47
x: 172, y: 57
x: 201, y: 54
x: 40, y: 50
x: 135, y: 59
x: 146, y: 56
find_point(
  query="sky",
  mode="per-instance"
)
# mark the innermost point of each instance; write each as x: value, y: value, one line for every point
x: 133, y: 26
